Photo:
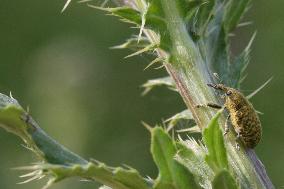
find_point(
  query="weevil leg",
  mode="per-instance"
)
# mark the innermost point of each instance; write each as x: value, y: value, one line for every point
x: 238, y: 136
x: 209, y: 104
x: 227, y: 126
x: 237, y: 141
x: 238, y: 146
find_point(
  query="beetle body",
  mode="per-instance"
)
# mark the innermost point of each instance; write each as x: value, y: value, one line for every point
x: 243, y: 117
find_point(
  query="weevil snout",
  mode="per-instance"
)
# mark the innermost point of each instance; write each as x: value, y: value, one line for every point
x: 218, y: 87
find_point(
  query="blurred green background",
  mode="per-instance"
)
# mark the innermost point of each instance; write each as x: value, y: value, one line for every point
x: 88, y: 97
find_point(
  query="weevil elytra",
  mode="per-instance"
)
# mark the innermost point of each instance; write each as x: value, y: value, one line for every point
x: 243, y: 116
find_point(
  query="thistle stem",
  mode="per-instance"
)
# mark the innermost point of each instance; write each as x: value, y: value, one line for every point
x: 190, y: 74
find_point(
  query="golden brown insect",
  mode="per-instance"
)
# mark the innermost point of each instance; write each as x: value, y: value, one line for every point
x: 243, y: 116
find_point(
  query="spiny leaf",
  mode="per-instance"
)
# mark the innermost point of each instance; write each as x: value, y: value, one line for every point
x: 214, y: 141
x: 174, y: 120
x: 113, y: 177
x: 195, y: 162
x: 15, y: 120
x: 234, y: 12
x: 172, y: 174
x: 150, y: 84
x: 128, y: 14
x: 59, y: 162
x: 224, y: 180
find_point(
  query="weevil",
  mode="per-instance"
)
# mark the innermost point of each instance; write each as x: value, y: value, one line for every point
x: 242, y: 115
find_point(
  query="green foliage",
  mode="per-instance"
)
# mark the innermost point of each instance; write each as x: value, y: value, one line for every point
x: 224, y: 180
x: 59, y: 162
x: 234, y: 12
x: 172, y: 174
x: 240, y: 64
x: 186, y: 35
x: 179, y: 166
x: 192, y: 155
x: 213, y: 139
x: 209, y: 25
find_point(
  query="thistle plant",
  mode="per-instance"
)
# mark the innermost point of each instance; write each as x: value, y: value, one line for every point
x: 190, y: 39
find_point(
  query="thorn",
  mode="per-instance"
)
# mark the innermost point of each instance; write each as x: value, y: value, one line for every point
x: 86, y: 180
x: 49, y: 183
x: 84, y: 1
x: 245, y: 24
x: 95, y: 161
x: 156, y: 60
x: 147, y: 126
x: 179, y: 138
x: 103, y: 3
x: 66, y: 5
x: 193, y: 129
x: 143, y: 21
x: 11, y: 96
x: 159, y: 67
x: 251, y: 41
x: 27, y: 147
x: 145, y: 49
x: 128, y: 167
x: 29, y: 174
x: 28, y: 109
x: 98, y: 7
x: 257, y: 90
x: 260, y: 113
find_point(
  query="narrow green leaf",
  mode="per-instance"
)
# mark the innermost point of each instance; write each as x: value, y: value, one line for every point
x: 172, y: 174
x: 238, y: 67
x: 224, y: 180
x: 214, y: 141
x: 234, y: 12
x: 205, y: 14
x: 218, y: 54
